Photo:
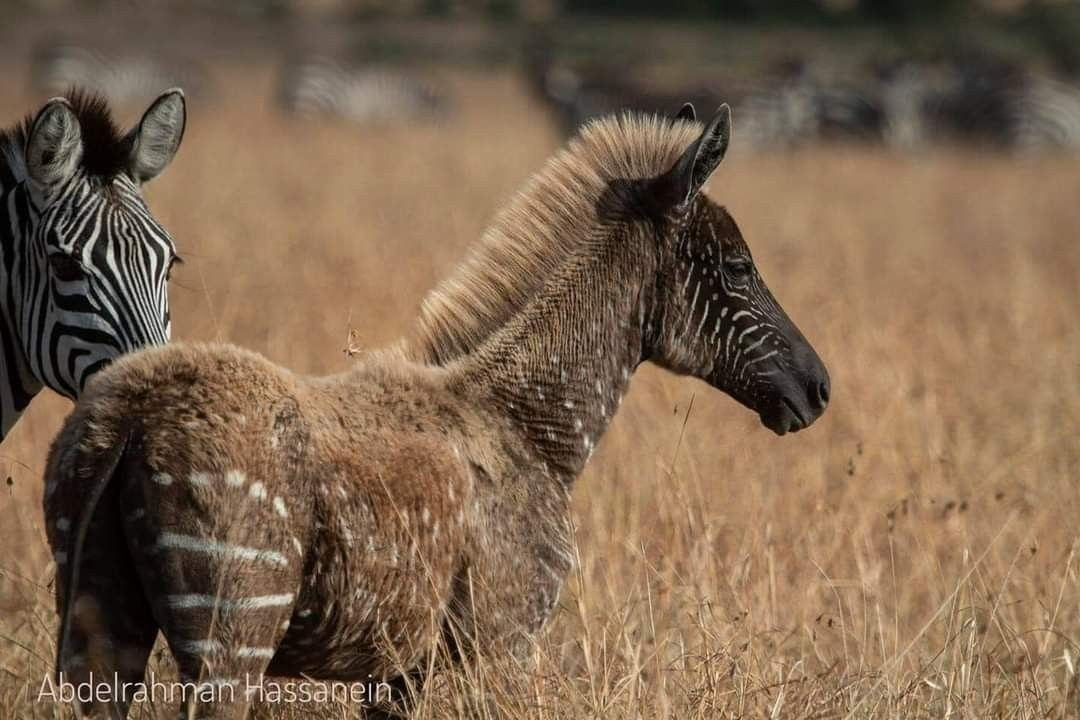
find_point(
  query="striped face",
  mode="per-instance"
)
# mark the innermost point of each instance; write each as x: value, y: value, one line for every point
x: 88, y: 263
x: 713, y: 316
x: 94, y: 281
x: 723, y: 325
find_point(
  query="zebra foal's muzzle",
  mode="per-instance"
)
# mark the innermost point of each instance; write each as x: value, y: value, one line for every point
x: 800, y: 392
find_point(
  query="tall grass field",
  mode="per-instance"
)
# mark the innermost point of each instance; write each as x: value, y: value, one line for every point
x: 911, y: 555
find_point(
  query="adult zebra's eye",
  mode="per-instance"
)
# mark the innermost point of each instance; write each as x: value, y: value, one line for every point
x: 176, y: 260
x: 65, y: 268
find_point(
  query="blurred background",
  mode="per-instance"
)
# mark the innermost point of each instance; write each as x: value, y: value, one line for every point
x: 906, y: 73
x: 907, y: 175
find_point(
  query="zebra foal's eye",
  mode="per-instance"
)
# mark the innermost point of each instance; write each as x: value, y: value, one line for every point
x: 64, y: 267
x: 738, y: 267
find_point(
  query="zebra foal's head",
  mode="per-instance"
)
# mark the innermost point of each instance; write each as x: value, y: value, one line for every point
x: 89, y: 279
x: 716, y: 317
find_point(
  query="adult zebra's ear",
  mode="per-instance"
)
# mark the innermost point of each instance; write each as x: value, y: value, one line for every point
x: 54, y: 147
x: 157, y: 138
x: 688, y: 175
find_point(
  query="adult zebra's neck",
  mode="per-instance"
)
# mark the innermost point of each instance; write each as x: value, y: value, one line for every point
x: 18, y: 385
x: 559, y: 369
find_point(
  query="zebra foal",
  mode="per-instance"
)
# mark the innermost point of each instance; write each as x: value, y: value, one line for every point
x: 335, y: 528
x: 84, y: 265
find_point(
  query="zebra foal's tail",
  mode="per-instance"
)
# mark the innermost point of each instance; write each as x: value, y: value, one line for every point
x: 71, y: 467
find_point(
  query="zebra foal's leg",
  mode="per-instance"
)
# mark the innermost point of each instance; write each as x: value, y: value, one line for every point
x: 111, y: 627
x: 223, y: 639
x: 223, y: 601
x: 220, y: 673
x: 401, y: 702
x: 222, y: 568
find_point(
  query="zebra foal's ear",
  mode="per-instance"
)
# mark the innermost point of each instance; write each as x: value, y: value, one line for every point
x: 685, y: 179
x: 156, y: 139
x: 54, y: 146
x: 686, y: 112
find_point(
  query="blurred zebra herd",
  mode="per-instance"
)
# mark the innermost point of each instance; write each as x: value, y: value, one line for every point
x: 308, y: 86
x: 904, y: 103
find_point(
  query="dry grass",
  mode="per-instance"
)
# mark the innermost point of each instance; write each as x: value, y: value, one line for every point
x: 912, y: 555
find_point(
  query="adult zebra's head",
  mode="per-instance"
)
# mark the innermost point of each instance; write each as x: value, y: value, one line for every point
x: 717, y: 319
x: 91, y: 264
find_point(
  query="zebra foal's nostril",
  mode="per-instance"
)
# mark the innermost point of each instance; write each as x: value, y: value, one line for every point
x: 819, y: 393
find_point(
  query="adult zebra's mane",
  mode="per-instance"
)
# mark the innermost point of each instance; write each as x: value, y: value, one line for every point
x: 106, y: 150
x: 542, y: 226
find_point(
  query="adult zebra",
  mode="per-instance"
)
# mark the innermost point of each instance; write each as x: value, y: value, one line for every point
x: 358, y: 94
x: 1046, y: 115
x: 83, y: 264
x: 122, y: 77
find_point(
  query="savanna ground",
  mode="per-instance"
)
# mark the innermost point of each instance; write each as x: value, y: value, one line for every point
x: 913, y: 554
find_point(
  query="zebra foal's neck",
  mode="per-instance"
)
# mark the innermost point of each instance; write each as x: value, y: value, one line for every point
x: 561, y: 367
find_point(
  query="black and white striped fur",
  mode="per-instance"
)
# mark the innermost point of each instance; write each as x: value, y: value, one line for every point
x: 797, y: 107
x: 978, y: 102
x: 1046, y: 115
x: 83, y: 264
x: 804, y: 102
x: 357, y: 94
x: 120, y: 78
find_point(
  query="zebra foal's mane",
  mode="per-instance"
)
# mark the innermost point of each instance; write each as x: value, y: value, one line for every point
x: 543, y: 225
x: 106, y: 149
